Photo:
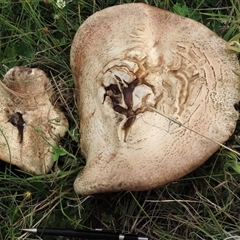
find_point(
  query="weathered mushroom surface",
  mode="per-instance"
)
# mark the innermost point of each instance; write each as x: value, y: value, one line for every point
x: 30, y: 121
x: 131, y: 56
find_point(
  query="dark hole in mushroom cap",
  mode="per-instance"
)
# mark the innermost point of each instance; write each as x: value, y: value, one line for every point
x: 237, y: 106
x: 113, y: 92
x: 17, y: 121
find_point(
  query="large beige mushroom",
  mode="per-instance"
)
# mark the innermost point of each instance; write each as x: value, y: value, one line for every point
x: 30, y: 121
x: 130, y: 57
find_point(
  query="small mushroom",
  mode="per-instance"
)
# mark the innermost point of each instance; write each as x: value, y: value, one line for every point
x: 30, y: 121
x: 129, y: 59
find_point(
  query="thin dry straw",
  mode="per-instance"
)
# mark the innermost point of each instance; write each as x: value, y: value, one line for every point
x: 181, y: 125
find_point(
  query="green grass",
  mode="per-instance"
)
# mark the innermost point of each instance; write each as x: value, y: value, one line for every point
x: 203, y: 205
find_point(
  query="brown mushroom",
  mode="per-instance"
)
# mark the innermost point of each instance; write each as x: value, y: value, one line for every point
x: 130, y: 57
x: 30, y: 121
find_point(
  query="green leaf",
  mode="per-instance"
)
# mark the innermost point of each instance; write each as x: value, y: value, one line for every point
x: 24, y: 49
x: 58, y: 152
x: 232, y: 162
x: 181, y: 9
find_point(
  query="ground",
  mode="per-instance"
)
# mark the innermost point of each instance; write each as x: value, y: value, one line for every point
x: 202, y: 205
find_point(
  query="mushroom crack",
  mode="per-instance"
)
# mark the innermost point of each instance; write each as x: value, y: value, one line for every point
x: 121, y: 95
x: 17, y: 121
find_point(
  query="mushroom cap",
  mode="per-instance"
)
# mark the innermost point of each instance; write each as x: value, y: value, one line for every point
x: 30, y: 121
x: 128, y: 57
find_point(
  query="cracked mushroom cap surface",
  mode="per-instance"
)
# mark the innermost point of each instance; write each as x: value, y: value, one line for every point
x: 129, y: 57
x: 30, y: 120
